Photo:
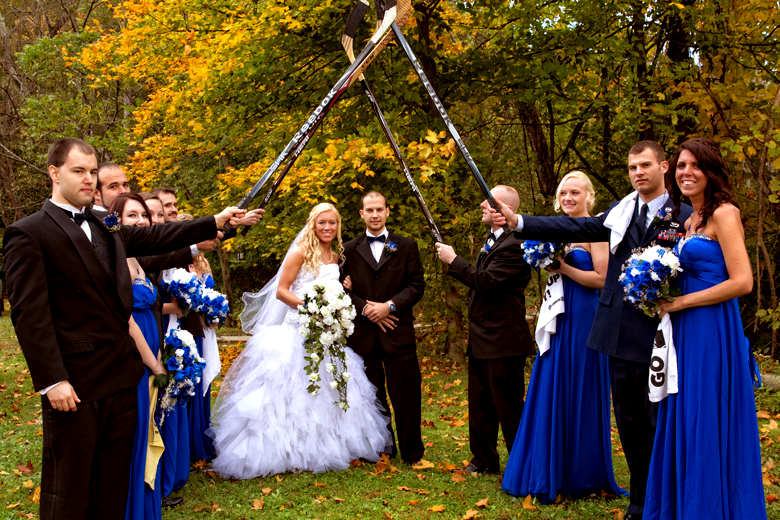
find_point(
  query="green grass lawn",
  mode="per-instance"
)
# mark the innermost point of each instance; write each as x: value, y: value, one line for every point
x: 364, y: 491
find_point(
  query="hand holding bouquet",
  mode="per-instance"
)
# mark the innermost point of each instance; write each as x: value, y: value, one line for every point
x: 647, y: 277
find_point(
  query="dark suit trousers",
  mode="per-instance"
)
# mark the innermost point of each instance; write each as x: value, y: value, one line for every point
x: 496, y: 390
x: 86, y: 458
x: 402, y: 372
x: 636, y: 417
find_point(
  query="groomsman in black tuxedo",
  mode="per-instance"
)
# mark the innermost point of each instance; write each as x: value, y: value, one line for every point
x: 386, y: 282
x: 111, y: 181
x: 71, y: 299
x: 620, y: 330
x: 499, y: 338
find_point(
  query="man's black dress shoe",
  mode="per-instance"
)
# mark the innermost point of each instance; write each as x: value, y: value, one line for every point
x: 171, y: 501
x: 633, y: 517
x: 472, y: 468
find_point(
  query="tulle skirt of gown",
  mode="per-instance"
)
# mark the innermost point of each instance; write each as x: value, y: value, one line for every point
x: 563, y: 444
x: 266, y: 422
x: 143, y: 502
x: 706, y: 462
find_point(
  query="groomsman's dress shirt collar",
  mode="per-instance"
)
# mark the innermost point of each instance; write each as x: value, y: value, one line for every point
x: 101, y: 208
x: 84, y: 225
x: 652, y: 208
x: 378, y: 246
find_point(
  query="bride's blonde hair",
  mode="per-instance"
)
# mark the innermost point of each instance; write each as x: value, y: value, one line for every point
x: 311, y: 244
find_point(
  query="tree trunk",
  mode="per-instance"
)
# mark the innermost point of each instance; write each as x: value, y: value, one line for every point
x: 456, y: 345
x: 544, y: 164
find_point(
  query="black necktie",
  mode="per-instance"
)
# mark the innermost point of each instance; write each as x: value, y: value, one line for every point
x: 640, y: 224
x: 372, y: 239
x: 78, y: 218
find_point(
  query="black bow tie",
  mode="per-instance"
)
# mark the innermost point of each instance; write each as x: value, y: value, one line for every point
x: 78, y: 218
x: 380, y: 238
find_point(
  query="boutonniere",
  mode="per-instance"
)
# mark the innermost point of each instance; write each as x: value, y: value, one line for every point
x: 112, y: 223
x: 663, y: 215
x: 390, y: 248
x: 485, y: 249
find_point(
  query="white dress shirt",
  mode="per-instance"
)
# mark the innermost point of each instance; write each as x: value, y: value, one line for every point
x: 377, y: 247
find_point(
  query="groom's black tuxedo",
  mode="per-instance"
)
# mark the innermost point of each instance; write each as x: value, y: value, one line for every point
x: 621, y: 330
x: 70, y: 304
x: 499, y: 340
x: 398, y: 276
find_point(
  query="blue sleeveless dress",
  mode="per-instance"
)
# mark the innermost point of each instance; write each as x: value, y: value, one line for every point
x: 563, y: 444
x: 176, y: 437
x: 706, y: 462
x: 143, y: 502
x: 199, y: 411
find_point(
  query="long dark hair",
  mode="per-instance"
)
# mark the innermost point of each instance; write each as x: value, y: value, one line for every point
x: 121, y: 201
x: 711, y: 163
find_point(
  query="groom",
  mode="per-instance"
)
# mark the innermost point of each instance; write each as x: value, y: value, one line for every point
x: 620, y: 330
x: 387, y: 281
x: 71, y: 299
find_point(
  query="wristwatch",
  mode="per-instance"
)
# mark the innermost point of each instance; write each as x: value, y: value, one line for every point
x: 391, y: 305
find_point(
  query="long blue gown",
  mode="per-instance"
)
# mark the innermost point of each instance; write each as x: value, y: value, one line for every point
x: 563, y: 444
x: 706, y: 462
x: 199, y: 412
x: 176, y: 437
x: 143, y: 503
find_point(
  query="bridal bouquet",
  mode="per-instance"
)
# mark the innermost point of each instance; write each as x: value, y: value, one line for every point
x: 325, y: 321
x: 539, y: 254
x: 184, y: 366
x: 647, y: 277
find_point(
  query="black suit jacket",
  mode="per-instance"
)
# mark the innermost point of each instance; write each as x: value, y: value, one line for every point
x: 619, y: 329
x: 398, y: 277
x: 70, y: 317
x: 497, y: 324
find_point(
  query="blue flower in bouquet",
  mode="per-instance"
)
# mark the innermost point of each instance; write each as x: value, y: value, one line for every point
x: 184, y: 366
x: 539, y: 254
x: 647, y: 277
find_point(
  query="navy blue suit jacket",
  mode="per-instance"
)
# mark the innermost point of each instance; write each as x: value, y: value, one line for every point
x: 619, y: 329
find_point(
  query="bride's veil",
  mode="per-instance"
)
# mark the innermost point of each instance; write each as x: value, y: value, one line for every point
x: 263, y: 308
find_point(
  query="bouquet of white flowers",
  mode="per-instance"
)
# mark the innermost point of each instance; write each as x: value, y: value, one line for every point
x: 325, y: 321
x: 647, y: 277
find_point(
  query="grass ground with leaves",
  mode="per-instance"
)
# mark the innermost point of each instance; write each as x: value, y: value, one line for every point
x: 391, y: 490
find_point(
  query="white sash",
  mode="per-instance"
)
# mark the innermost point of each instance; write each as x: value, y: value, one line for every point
x: 552, y: 306
x: 619, y: 219
x: 211, y: 356
x: 663, y: 364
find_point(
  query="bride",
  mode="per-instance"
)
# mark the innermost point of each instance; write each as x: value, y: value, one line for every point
x: 264, y: 420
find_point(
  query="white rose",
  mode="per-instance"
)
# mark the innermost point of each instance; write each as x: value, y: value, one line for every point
x: 326, y: 339
x: 333, y: 384
x: 300, y: 308
x: 654, y: 276
x: 304, y: 320
x: 312, y: 308
x: 345, y: 375
x: 303, y: 332
x: 179, y: 352
x: 670, y: 260
x: 327, y: 320
x: 314, y: 377
x: 315, y: 357
x: 325, y: 311
x: 311, y: 294
x: 330, y: 367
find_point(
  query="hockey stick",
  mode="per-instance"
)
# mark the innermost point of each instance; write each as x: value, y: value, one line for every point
x: 447, y: 122
x: 347, y: 40
x: 378, y: 41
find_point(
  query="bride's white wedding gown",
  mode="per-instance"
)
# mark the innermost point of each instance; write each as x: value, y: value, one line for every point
x: 265, y: 421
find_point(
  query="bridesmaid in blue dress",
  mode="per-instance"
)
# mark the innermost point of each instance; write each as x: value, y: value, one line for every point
x: 563, y: 444
x: 706, y: 461
x: 199, y: 405
x: 143, y: 502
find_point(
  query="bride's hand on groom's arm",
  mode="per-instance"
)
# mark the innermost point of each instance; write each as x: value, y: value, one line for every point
x: 347, y: 283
